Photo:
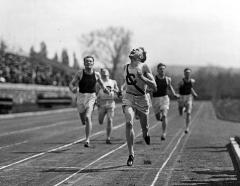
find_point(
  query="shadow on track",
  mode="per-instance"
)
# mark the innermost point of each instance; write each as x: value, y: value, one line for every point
x: 75, y: 169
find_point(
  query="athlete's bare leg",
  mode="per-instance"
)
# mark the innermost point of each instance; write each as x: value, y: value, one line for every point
x: 109, y: 128
x: 158, y: 116
x: 88, y: 128
x: 83, y: 117
x: 101, y: 116
x: 164, y: 127
x: 129, y: 114
x: 145, y: 126
x: 188, y: 118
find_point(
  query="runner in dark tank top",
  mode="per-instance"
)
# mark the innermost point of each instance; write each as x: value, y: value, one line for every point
x: 186, y: 87
x: 160, y: 98
x: 186, y: 92
x: 87, y: 84
x: 85, y: 80
x: 162, y: 87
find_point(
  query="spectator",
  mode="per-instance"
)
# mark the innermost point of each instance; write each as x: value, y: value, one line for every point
x: 20, y: 69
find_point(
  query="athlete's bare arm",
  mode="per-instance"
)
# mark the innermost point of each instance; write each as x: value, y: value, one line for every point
x: 171, y: 88
x: 73, y: 84
x: 147, y: 76
x: 115, y: 87
x: 123, y: 86
x: 99, y: 80
x: 98, y: 87
x: 192, y: 90
x: 194, y: 93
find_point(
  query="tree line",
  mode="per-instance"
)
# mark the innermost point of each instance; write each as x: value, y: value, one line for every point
x: 111, y: 47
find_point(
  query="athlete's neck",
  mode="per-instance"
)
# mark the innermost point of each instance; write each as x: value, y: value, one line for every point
x: 161, y: 76
x: 134, y: 63
x: 187, y: 79
x: 88, y: 70
x: 105, y: 79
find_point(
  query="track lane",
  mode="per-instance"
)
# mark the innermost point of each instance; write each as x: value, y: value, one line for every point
x: 113, y: 174
x: 44, y: 166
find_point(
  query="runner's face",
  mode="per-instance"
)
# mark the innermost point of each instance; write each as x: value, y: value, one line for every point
x: 187, y: 74
x: 105, y: 77
x: 88, y: 63
x: 105, y: 74
x: 136, y: 53
x: 161, y: 70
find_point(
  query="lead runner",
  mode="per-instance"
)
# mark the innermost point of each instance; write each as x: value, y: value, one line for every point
x: 138, y: 77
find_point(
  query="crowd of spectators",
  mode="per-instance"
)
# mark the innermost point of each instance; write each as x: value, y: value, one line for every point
x: 20, y: 69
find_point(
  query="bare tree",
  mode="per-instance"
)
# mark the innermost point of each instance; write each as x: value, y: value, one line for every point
x: 3, y: 47
x: 43, y: 50
x: 75, y: 62
x: 55, y: 58
x: 65, y: 58
x: 110, y: 46
x: 32, y: 52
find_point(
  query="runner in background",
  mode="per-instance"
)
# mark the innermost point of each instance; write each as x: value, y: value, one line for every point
x: 106, y: 102
x: 160, y: 98
x: 186, y: 92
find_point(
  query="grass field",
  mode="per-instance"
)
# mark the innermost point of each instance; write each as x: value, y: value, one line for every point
x: 227, y: 109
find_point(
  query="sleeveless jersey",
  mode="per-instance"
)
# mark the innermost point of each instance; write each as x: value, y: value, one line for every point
x: 162, y: 87
x: 88, y: 83
x: 134, y: 85
x: 185, y: 87
x: 110, y: 86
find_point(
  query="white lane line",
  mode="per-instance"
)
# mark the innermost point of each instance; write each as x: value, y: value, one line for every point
x: 58, y: 148
x: 176, y: 135
x: 14, y: 144
x: 170, y: 143
x: 37, y: 128
x: 38, y: 113
x: 103, y: 156
x: 170, y: 155
x: 40, y: 127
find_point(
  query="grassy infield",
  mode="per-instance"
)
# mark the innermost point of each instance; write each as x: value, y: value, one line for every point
x: 228, y: 109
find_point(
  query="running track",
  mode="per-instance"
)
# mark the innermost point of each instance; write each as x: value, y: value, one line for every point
x: 48, y: 150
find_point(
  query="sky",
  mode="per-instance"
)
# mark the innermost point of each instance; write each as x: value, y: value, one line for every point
x: 176, y: 32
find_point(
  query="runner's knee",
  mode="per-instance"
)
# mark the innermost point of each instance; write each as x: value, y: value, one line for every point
x: 100, y: 119
x: 110, y: 120
x: 129, y: 125
x: 158, y: 116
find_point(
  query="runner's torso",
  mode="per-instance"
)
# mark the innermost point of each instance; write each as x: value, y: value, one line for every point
x: 162, y: 87
x: 134, y: 85
x: 185, y: 87
x: 110, y: 86
x: 87, y: 83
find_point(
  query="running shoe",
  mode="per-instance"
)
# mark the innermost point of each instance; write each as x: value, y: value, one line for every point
x: 147, y: 139
x: 163, y: 137
x: 86, y: 144
x: 108, y: 141
x: 130, y: 160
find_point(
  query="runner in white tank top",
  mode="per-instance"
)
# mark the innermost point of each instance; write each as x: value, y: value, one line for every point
x: 106, y: 102
x: 138, y: 77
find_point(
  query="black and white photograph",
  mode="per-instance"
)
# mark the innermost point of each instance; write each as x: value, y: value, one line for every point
x: 119, y: 92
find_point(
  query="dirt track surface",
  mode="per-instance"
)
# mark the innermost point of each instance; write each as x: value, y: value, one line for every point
x: 48, y: 150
